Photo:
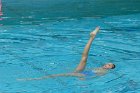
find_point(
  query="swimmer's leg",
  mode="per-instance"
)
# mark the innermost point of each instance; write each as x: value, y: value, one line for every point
x: 83, y: 61
x: 53, y: 76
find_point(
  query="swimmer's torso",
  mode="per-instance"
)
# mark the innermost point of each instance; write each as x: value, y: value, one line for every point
x: 95, y: 72
x: 100, y: 71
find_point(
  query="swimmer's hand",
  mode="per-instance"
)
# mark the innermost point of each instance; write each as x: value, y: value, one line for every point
x: 29, y: 79
x: 94, y: 32
x: 25, y: 79
x: 39, y: 78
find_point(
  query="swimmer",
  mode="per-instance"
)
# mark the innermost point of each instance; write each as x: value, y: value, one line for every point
x: 79, y: 71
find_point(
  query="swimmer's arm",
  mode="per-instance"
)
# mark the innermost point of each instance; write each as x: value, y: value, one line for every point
x: 50, y: 76
x: 44, y: 77
x: 84, y: 78
x: 28, y: 79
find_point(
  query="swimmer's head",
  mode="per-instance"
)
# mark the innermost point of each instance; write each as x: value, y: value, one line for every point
x: 109, y: 66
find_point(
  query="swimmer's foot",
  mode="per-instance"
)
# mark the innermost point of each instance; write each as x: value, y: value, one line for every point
x: 93, y: 33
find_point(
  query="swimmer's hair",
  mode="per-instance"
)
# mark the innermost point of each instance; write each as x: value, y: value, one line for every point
x: 113, y: 66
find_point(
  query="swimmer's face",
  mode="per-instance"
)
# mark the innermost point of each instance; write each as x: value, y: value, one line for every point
x: 109, y: 66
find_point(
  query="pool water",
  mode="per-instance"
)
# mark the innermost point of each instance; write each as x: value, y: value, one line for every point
x: 55, y: 45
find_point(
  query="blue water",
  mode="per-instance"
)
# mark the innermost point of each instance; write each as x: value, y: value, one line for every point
x: 35, y: 48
